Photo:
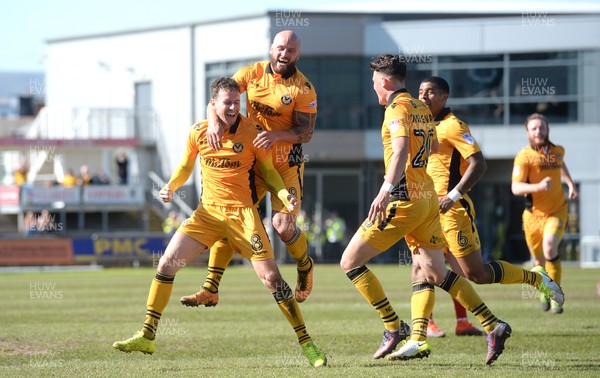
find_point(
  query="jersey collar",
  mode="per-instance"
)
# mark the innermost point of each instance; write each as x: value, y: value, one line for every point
x: 442, y: 114
x: 286, y: 76
x: 235, y: 126
x: 394, y: 94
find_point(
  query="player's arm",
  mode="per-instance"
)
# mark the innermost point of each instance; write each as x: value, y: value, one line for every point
x: 304, y: 125
x: 476, y: 169
x: 274, y: 181
x: 566, y: 177
x: 395, y: 171
x: 182, y: 172
x: 216, y: 128
x: 520, y: 186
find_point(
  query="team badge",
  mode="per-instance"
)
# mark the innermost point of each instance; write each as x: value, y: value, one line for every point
x: 238, y: 147
x: 468, y: 138
x: 286, y: 99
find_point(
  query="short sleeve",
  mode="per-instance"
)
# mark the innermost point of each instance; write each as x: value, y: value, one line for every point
x: 520, y: 167
x: 461, y: 139
x: 396, y: 120
x: 306, y: 99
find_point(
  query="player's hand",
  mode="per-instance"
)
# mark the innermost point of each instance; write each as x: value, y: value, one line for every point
x: 293, y: 202
x: 165, y: 194
x: 265, y: 139
x: 378, y: 208
x: 545, y: 184
x: 214, y: 135
x: 445, y: 204
x: 573, y: 192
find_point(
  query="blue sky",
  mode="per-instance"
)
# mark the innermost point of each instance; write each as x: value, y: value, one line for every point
x: 25, y: 25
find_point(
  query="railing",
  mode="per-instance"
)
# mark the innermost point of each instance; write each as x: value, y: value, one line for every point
x: 94, y: 123
x: 158, y: 183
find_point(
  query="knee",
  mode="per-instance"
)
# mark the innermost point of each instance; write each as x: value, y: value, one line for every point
x: 272, y: 280
x: 284, y: 225
x: 479, y: 277
x: 169, y: 264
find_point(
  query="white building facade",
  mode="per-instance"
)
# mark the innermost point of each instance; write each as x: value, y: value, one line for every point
x: 500, y: 67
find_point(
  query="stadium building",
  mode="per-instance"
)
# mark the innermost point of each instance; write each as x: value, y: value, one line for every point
x: 140, y: 90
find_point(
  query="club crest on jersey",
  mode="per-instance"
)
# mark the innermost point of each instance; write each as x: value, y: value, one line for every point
x: 286, y: 99
x: 468, y: 138
x: 238, y: 147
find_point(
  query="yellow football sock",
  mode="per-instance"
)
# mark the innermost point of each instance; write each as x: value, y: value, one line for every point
x: 221, y: 254
x: 554, y: 269
x: 506, y: 273
x: 421, y: 304
x: 298, y: 248
x: 158, y: 298
x: 461, y: 290
x: 369, y: 286
x: 289, y: 307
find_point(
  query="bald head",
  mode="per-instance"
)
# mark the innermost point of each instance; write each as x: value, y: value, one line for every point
x: 285, y: 51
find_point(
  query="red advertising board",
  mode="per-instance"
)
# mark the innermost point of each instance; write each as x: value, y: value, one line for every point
x: 33, y: 251
x: 9, y: 195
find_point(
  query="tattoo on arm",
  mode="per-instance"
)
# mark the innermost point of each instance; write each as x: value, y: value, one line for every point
x: 304, y: 125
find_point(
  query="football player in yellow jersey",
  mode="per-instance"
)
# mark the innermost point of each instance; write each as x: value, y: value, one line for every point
x: 226, y: 211
x: 537, y: 173
x: 455, y: 169
x: 407, y: 206
x: 284, y: 102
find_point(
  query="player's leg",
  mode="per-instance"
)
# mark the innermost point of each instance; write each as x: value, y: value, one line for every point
x: 553, y: 232
x: 426, y: 242
x: 250, y: 238
x: 181, y: 249
x: 368, y: 242
x: 463, y: 326
x: 284, y: 223
x: 221, y: 254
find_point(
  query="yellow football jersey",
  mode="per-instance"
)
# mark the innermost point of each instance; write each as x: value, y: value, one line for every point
x: 228, y: 176
x: 532, y: 165
x: 271, y: 100
x: 406, y: 116
x: 447, y: 166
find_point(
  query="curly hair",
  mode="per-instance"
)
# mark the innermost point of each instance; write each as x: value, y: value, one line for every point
x: 223, y: 84
x: 390, y: 65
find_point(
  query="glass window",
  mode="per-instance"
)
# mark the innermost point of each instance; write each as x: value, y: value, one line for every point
x: 474, y: 82
x: 543, y: 81
x: 552, y: 55
x: 555, y: 111
x: 470, y: 58
x: 479, y: 114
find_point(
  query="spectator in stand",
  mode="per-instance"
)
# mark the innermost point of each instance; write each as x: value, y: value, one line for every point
x: 69, y: 180
x: 20, y: 171
x: 100, y: 178
x: 44, y: 223
x: 85, y: 175
x: 122, y: 167
x: 29, y: 224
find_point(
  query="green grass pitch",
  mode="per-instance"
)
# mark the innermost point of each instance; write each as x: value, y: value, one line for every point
x: 63, y: 324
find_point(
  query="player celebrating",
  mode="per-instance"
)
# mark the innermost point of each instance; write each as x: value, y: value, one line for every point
x: 407, y: 206
x: 284, y: 102
x: 537, y: 173
x: 455, y: 169
x: 226, y: 210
